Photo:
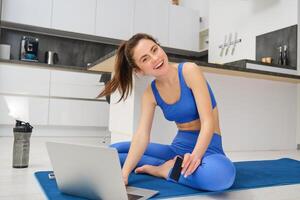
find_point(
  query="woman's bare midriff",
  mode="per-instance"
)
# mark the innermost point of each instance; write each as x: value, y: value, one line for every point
x: 196, y: 124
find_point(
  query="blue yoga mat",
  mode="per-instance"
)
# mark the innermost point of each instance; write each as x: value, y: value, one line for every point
x: 250, y: 174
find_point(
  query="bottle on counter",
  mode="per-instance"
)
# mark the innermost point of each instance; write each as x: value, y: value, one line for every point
x: 280, y: 56
x: 285, y: 55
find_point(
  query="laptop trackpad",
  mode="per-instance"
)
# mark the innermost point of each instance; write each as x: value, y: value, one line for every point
x: 139, y: 193
x: 133, y: 197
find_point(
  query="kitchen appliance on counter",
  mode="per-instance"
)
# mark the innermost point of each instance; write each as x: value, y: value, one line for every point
x: 51, y: 57
x: 29, y: 49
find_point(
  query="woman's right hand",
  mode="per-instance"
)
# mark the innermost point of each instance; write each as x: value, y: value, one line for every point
x: 125, y: 178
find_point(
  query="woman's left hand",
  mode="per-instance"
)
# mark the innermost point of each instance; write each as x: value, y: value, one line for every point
x: 190, y: 163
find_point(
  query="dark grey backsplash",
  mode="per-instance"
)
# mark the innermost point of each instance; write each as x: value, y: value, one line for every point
x: 267, y: 45
x: 71, y: 52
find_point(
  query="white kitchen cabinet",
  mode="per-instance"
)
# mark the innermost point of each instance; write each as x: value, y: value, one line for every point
x: 32, y: 12
x: 51, y: 97
x: 151, y: 16
x: 183, y: 28
x: 114, y: 18
x: 30, y: 109
x: 74, y: 15
x: 24, y: 80
x: 75, y: 85
x: 66, y: 112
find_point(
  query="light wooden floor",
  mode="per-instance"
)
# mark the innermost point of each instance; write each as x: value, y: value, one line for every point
x: 20, y: 184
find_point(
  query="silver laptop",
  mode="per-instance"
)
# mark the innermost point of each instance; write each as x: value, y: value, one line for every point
x: 92, y: 172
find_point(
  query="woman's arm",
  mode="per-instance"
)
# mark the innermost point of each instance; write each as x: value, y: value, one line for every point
x: 141, y: 137
x: 196, y: 81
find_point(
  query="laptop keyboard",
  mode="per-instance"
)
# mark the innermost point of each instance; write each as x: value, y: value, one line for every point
x: 133, y: 196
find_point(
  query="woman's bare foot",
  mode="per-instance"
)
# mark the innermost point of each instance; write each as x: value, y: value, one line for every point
x: 159, y: 171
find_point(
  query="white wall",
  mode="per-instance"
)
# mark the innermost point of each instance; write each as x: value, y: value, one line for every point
x: 202, y: 6
x: 248, y: 19
x: 121, y: 117
x: 255, y: 114
x: 298, y: 113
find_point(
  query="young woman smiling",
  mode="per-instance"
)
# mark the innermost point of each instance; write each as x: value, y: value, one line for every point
x: 185, y: 97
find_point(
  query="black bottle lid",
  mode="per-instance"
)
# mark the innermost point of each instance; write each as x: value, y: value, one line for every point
x: 23, y: 127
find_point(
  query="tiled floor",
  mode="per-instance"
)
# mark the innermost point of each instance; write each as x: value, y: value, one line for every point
x: 20, y: 184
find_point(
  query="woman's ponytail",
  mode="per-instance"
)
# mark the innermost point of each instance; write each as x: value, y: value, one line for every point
x: 122, y: 79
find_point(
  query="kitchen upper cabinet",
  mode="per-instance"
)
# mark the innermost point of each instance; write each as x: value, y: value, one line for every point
x: 74, y: 15
x: 151, y: 16
x: 114, y: 18
x: 75, y: 85
x: 66, y: 112
x: 32, y: 12
x: 29, y: 109
x: 183, y: 28
x: 24, y: 80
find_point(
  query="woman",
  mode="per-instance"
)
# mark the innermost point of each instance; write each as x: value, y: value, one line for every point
x: 183, y: 94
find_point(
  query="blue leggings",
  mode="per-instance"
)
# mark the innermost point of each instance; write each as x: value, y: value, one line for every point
x: 215, y: 173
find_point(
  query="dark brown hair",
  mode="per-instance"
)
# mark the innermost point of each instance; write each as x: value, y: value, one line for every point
x: 124, y: 65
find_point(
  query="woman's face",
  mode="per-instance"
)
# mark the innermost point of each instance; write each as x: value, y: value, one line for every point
x: 150, y: 58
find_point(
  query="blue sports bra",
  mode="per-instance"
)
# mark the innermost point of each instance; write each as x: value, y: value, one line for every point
x: 185, y: 109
